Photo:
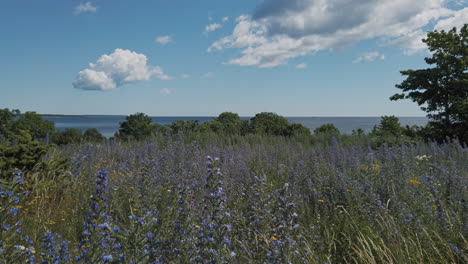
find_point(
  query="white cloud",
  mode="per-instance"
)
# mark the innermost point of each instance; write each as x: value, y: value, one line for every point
x: 301, y: 66
x: 208, y: 75
x: 279, y: 30
x: 163, y: 40
x: 369, y: 56
x: 457, y: 20
x: 184, y: 76
x: 116, y: 69
x: 212, y: 27
x: 225, y: 19
x: 85, y: 8
x: 165, y: 91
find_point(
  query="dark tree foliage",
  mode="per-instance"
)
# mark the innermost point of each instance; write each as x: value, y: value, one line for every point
x: 34, y: 124
x: 137, y: 126
x: 389, y: 125
x: 390, y: 132
x: 442, y: 89
x: 93, y: 135
x: 298, y: 130
x: 22, y: 153
x: 231, y: 123
x: 68, y: 136
x: 184, y: 126
x: 327, y: 129
x: 269, y: 124
x: 7, y: 117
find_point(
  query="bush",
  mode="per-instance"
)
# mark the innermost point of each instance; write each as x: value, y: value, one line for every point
x: 137, y: 127
x: 269, y: 124
x: 22, y: 153
x: 327, y: 129
x: 68, y: 136
x: 93, y: 135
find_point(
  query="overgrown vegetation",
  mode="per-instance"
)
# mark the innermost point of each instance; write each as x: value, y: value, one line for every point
x: 262, y: 190
x: 262, y: 199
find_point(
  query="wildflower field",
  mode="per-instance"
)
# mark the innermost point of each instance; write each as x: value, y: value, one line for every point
x: 238, y: 200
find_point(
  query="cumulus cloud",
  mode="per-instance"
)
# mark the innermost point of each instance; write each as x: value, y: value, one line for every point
x: 369, y: 56
x: 163, y: 40
x: 85, y: 8
x: 278, y: 30
x: 301, y: 66
x: 165, y: 91
x: 116, y: 69
x: 212, y: 27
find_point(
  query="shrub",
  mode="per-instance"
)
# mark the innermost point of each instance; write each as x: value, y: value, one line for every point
x: 22, y: 153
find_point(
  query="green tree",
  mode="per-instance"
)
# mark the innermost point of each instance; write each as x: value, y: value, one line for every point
x: 390, y: 132
x: 22, y: 153
x: 442, y: 90
x: 7, y: 117
x: 327, y: 129
x: 34, y: 124
x: 231, y: 123
x: 184, y: 126
x: 297, y: 130
x: 93, y: 135
x: 137, y: 126
x: 269, y: 124
x: 389, y: 125
x: 68, y: 136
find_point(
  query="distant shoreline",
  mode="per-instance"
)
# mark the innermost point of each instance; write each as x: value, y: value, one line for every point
x: 93, y: 115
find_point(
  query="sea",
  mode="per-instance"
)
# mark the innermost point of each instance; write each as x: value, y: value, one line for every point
x: 109, y: 124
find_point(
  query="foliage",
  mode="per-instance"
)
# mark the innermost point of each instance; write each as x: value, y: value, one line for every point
x: 12, y: 122
x: 389, y: 132
x: 184, y: 126
x: 34, y: 124
x: 269, y: 124
x: 328, y: 129
x: 231, y: 123
x: 7, y: 117
x: 137, y: 126
x: 93, y: 135
x: 261, y: 200
x: 23, y: 153
x: 68, y: 136
x: 443, y: 88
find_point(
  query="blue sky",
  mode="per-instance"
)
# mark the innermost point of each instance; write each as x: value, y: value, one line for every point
x: 192, y: 58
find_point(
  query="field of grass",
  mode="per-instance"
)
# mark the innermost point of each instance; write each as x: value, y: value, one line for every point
x: 239, y: 200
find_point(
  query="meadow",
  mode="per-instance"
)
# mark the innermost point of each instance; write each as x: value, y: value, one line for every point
x: 239, y: 199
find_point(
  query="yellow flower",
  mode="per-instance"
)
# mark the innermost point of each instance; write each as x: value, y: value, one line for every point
x: 376, y: 167
x: 274, y: 238
x: 197, y: 227
x: 321, y: 201
x: 415, y: 182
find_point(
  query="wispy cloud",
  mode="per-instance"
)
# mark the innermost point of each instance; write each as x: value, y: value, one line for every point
x: 166, y: 91
x: 84, y: 8
x: 301, y: 66
x: 208, y: 75
x: 212, y: 27
x: 369, y: 56
x: 163, y: 40
x: 116, y: 69
x: 225, y: 19
x: 184, y: 76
